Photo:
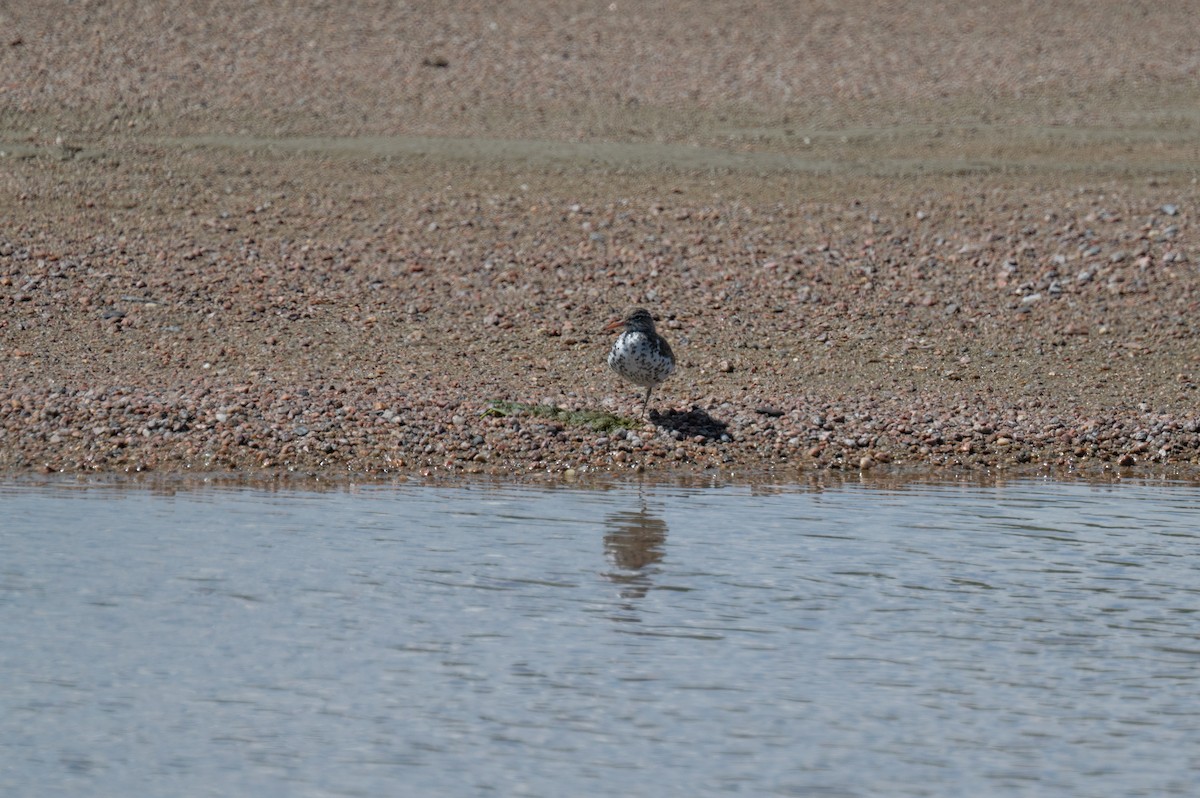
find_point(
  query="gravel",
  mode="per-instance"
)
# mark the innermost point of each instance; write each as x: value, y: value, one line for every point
x: 257, y: 253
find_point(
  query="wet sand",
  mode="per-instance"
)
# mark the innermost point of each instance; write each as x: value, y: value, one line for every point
x: 385, y: 241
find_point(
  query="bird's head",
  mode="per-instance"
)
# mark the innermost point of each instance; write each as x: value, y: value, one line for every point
x: 637, y: 320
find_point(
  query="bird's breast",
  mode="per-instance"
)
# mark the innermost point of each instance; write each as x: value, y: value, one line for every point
x: 637, y: 358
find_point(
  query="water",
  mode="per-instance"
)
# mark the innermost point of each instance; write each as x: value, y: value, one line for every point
x: 1030, y: 639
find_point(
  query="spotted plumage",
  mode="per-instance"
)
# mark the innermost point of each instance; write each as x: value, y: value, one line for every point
x: 640, y: 354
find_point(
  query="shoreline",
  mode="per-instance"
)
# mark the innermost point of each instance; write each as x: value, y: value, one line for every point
x: 889, y: 477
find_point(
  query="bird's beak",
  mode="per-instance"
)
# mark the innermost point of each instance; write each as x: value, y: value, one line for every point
x: 615, y: 324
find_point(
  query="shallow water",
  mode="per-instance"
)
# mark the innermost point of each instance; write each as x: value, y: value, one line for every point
x: 1035, y: 638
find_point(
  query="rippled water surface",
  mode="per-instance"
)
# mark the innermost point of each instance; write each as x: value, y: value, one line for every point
x: 1034, y: 638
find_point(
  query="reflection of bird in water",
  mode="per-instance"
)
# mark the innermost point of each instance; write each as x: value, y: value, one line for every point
x: 635, y: 540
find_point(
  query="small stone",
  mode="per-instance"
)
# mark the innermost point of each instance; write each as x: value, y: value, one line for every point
x: 1126, y: 460
x: 866, y: 463
x: 725, y: 367
x: 1169, y: 209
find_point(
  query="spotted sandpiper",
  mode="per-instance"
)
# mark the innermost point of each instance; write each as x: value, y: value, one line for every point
x: 640, y: 354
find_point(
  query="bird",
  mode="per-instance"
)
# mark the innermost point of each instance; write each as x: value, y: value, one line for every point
x: 640, y: 354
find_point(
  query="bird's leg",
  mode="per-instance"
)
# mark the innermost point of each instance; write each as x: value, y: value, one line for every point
x: 646, y: 402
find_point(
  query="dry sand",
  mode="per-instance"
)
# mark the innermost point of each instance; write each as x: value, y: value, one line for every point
x: 327, y: 239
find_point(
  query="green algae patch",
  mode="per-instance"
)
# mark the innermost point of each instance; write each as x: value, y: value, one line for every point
x: 595, y: 419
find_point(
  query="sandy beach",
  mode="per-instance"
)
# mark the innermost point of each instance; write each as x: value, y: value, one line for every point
x: 385, y: 238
